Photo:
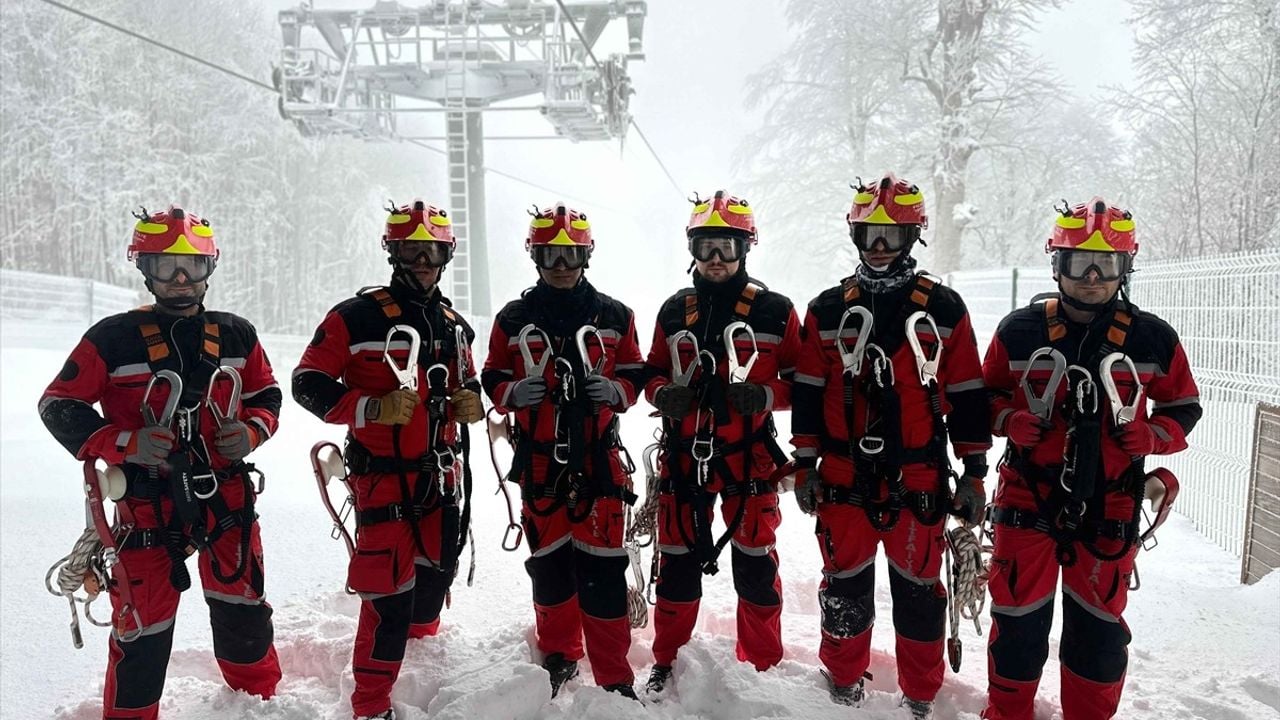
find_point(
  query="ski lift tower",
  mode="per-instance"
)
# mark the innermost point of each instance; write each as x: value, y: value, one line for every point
x: 358, y: 73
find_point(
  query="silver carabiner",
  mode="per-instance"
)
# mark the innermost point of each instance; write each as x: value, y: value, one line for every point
x: 927, y: 367
x: 532, y: 368
x: 1121, y: 413
x: 580, y: 340
x: 407, y: 376
x: 1042, y: 405
x: 437, y: 368
x: 881, y: 366
x: 459, y: 345
x: 680, y: 374
x: 852, y: 359
x: 738, y: 372
x: 170, y: 403
x: 233, y: 403
x: 649, y: 459
x: 1086, y: 390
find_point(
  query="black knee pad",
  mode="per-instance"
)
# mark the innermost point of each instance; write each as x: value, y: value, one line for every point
x: 552, y: 575
x: 1091, y: 647
x: 919, y: 612
x: 680, y: 578
x: 602, y: 584
x: 753, y: 578
x: 242, y: 634
x: 392, y: 632
x: 1022, y: 645
x: 140, y: 672
x: 428, y: 594
x: 848, y: 604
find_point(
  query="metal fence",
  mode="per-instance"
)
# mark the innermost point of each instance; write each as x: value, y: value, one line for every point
x: 36, y: 297
x: 1226, y: 310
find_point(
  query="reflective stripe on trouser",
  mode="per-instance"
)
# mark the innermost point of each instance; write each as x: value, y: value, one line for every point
x: 847, y: 597
x: 401, y: 595
x: 1095, y: 638
x: 755, y: 577
x: 578, y: 571
x: 240, y: 620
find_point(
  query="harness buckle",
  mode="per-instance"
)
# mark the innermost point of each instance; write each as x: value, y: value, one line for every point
x: 871, y: 445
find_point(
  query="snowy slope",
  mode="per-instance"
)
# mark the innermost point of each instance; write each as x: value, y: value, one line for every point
x: 1204, y: 647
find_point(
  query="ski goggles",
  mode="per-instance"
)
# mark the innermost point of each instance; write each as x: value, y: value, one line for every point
x: 1077, y: 264
x: 164, y: 267
x: 571, y: 257
x: 727, y: 247
x: 413, y: 252
x: 887, y: 238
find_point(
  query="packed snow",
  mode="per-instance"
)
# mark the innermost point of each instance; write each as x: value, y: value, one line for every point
x: 1204, y: 646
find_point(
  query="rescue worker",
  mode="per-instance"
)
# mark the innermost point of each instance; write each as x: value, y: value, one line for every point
x: 719, y: 436
x: 888, y: 375
x: 143, y: 358
x: 402, y: 452
x: 564, y: 359
x: 1071, y: 481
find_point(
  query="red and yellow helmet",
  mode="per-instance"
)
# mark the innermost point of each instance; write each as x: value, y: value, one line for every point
x: 559, y: 225
x: 172, y: 232
x: 418, y: 222
x: 722, y: 214
x: 888, y: 201
x: 1093, y: 226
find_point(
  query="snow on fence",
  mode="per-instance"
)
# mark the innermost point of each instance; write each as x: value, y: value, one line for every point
x: 1226, y: 310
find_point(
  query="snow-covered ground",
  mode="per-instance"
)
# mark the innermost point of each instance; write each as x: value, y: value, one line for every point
x: 1204, y: 646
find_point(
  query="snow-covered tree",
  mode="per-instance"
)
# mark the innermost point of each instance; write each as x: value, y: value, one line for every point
x: 1206, y: 121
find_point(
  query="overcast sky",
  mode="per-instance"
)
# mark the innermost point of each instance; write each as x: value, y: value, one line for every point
x: 689, y: 103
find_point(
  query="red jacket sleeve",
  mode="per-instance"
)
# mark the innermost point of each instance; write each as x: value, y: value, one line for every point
x: 317, y: 381
x: 66, y: 408
x: 812, y: 369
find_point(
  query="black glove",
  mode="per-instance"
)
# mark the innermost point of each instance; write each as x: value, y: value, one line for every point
x: 970, y: 500
x: 808, y: 487
x: 674, y: 401
x: 747, y: 398
x: 527, y: 391
x: 604, y: 391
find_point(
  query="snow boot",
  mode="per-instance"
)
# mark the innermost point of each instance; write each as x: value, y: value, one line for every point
x: 623, y: 689
x: 561, y: 671
x: 658, y: 679
x: 389, y: 714
x: 851, y: 695
x: 920, y: 709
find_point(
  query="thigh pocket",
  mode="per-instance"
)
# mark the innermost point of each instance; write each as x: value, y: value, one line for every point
x: 374, y: 572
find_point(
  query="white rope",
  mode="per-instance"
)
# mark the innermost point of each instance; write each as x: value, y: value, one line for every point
x: 71, y: 570
x: 966, y: 583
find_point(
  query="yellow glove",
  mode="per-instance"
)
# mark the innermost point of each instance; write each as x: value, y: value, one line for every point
x: 467, y: 407
x: 394, y: 408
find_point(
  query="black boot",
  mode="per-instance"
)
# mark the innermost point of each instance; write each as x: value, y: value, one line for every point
x: 561, y: 671
x: 623, y: 689
x: 851, y: 695
x: 658, y: 679
x: 920, y: 709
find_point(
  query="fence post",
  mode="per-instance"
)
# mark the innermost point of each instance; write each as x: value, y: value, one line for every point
x: 1014, y: 298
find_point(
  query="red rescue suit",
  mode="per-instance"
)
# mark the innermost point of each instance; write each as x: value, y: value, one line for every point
x: 862, y: 503
x: 740, y: 459
x: 573, y: 512
x: 1032, y: 537
x: 111, y: 366
x: 407, y: 507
